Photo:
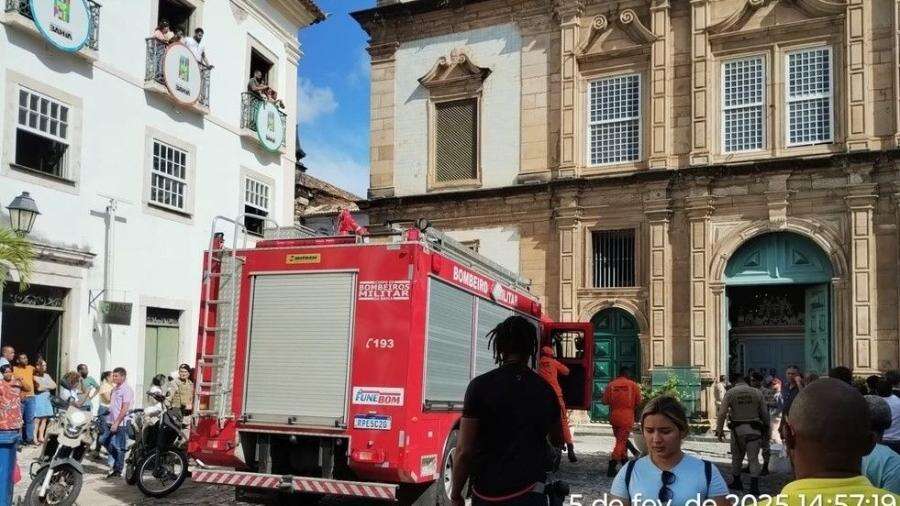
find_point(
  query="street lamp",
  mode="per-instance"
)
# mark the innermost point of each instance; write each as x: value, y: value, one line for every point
x: 22, y: 213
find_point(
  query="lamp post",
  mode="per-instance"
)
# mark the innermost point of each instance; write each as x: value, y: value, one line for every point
x: 22, y: 213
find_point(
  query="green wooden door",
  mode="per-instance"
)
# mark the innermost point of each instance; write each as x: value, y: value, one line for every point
x: 160, y: 352
x: 817, y: 343
x: 616, y: 344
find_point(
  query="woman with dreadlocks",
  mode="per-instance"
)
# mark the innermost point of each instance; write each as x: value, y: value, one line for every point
x: 507, y: 415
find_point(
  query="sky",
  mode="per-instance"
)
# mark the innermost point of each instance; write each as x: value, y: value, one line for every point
x: 333, y: 96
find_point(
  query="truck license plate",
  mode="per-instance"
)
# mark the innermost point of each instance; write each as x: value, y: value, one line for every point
x: 372, y: 422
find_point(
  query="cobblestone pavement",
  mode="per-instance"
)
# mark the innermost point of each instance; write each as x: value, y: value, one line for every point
x: 587, y: 477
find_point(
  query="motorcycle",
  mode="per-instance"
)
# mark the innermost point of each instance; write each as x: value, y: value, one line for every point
x: 57, y: 474
x: 157, y: 461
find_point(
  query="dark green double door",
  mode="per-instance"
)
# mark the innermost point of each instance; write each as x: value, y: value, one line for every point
x: 616, y: 344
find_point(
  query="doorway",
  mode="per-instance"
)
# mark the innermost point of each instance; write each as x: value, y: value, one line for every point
x: 778, y: 306
x: 32, y: 323
x: 162, y: 341
x: 616, y: 345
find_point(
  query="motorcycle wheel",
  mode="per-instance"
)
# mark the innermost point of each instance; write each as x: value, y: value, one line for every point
x: 161, y: 473
x: 65, y: 485
x: 131, y: 475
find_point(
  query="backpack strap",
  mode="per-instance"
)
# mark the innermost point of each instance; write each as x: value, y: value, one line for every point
x: 707, y: 469
x: 629, y: 468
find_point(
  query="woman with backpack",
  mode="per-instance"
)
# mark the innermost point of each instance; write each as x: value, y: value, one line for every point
x: 667, y: 474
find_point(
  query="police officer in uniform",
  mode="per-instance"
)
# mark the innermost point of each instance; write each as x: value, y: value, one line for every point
x: 749, y: 426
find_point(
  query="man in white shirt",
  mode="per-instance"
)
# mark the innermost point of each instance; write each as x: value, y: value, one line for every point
x: 891, y: 436
x: 196, y: 45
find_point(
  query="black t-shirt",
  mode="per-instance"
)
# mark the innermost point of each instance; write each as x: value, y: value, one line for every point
x: 516, y: 410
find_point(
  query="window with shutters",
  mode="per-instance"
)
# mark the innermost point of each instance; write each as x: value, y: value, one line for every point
x: 169, y: 182
x: 168, y: 177
x: 809, y: 96
x: 614, y: 120
x: 614, y: 258
x: 42, y: 134
x: 256, y: 203
x: 456, y: 141
x: 743, y: 104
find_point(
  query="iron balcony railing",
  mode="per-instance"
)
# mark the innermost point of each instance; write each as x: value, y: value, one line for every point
x: 250, y: 102
x: 156, y: 52
x: 23, y: 7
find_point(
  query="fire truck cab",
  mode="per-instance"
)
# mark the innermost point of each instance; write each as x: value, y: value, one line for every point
x: 338, y: 365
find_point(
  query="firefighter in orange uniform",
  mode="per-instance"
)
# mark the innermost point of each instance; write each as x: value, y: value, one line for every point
x: 622, y: 396
x: 550, y: 369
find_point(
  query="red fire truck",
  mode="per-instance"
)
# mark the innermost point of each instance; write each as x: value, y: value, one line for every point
x: 338, y: 365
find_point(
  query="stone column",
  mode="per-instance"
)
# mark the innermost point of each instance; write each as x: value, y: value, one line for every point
x: 381, y: 152
x: 699, y: 208
x: 657, y: 208
x: 859, y: 113
x: 718, y: 363
x: 896, y: 73
x: 699, y: 86
x: 568, y: 225
x: 569, y: 13
x: 538, y: 64
x: 860, y: 201
x: 660, y: 91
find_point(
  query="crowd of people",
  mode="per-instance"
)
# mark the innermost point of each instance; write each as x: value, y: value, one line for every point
x: 30, y: 397
x: 836, y: 437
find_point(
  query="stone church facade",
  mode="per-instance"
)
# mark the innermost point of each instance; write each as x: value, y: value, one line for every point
x: 624, y: 155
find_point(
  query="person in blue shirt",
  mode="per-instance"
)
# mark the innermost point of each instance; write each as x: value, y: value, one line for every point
x: 667, y: 474
x: 882, y: 466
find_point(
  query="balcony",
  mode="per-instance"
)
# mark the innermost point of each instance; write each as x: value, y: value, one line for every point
x: 189, y: 86
x: 72, y: 31
x: 263, y: 122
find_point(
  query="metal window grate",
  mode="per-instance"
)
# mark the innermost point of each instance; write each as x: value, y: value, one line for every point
x: 809, y: 96
x: 613, y: 258
x: 168, y: 177
x: 615, y: 117
x: 456, y: 140
x: 742, y: 109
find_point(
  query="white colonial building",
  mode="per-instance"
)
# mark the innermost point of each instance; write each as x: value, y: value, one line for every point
x: 130, y: 147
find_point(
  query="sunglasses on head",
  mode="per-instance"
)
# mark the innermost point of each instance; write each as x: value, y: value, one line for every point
x: 665, y: 493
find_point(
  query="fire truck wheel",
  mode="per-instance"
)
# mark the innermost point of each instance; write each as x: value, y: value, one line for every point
x: 445, y: 481
x: 436, y: 493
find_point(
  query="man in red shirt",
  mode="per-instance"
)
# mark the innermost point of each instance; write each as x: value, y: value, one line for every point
x: 549, y: 368
x: 622, y: 396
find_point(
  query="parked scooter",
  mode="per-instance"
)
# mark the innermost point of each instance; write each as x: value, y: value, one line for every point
x: 57, y: 474
x: 157, y: 462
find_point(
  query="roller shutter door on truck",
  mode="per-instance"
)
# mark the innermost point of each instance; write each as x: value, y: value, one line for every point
x: 300, y: 331
x: 448, y: 365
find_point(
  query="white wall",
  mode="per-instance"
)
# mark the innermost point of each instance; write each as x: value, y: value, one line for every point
x: 157, y: 260
x: 500, y: 244
x: 497, y: 48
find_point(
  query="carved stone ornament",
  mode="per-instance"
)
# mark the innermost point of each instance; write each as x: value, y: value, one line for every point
x: 810, y: 8
x: 628, y: 22
x: 455, y: 73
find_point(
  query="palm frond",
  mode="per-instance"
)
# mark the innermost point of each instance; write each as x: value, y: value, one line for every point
x: 16, y: 254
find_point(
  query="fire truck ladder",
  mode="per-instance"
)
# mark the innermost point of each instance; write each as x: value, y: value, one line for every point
x: 440, y: 241
x: 218, y: 314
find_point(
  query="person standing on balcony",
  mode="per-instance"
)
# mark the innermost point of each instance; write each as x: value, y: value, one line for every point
x: 622, y: 396
x: 549, y: 368
x: 163, y: 33
x: 196, y: 45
